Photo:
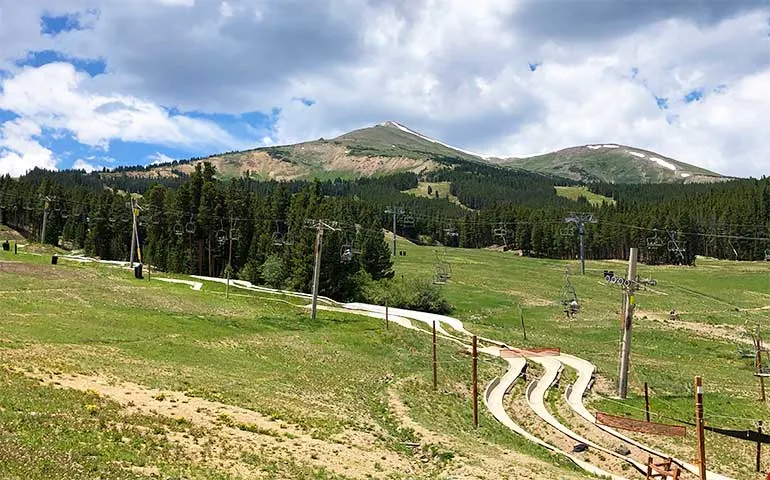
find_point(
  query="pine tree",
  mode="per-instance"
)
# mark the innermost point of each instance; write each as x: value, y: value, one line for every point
x: 375, y: 253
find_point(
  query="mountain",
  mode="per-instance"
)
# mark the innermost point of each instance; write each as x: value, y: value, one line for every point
x: 384, y: 148
x: 613, y: 163
x: 391, y: 147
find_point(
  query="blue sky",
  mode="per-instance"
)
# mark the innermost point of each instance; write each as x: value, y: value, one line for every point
x: 92, y: 84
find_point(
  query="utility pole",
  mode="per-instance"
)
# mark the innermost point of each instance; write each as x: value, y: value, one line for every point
x: 435, y: 363
x: 699, y: 424
x: 320, y: 227
x: 580, y: 220
x: 475, y: 386
x: 46, y: 203
x: 229, y: 259
x: 628, y: 315
x: 395, y: 211
x: 134, y: 232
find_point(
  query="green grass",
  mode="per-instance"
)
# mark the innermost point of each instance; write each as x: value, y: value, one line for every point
x: 258, y: 352
x: 54, y: 433
x: 487, y: 287
x: 263, y: 353
x: 573, y: 193
x: 441, y: 187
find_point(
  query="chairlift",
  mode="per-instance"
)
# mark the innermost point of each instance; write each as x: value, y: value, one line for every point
x: 346, y: 254
x: 408, y: 220
x: 767, y: 255
x: 568, y: 231
x: 221, y: 236
x: 277, y: 239
x: 655, y: 241
x: 112, y: 219
x: 235, y: 234
x: 178, y: 229
x: 190, y: 226
x: 441, y: 276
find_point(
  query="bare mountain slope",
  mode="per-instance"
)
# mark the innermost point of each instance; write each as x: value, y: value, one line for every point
x: 614, y: 164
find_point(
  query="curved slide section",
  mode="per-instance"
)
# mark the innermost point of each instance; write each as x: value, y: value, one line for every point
x: 493, y: 398
x: 574, y: 399
x: 536, y: 400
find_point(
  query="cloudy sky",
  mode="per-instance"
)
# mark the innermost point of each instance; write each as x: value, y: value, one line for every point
x: 93, y: 83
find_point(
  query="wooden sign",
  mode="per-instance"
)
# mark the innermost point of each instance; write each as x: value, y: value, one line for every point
x: 533, y: 352
x: 640, y: 426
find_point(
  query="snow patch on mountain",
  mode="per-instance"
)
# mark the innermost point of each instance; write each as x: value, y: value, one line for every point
x: 636, y: 154
x: 664, y: 163
x: 416, y: 134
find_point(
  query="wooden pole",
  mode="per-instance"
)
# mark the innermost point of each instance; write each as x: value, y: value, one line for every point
x: 133, y: 234
x: 625, y: 353
x: 435, y: 363
x: 317, y: 271
x: 523, y: 327
x: 387, y: 321
x: 474, y: 386
x: 646, y: 402
x: 759, y: 366
x: 700, y: 424
x: 759, y: 447
x: 229, y: 259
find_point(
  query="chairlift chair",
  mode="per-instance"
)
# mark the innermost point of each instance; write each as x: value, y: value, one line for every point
x: 655, y: 241
x: 221, y: 236
x: 767, y: 255
x: 190, y: 226
x: 568, y: 231
x: 346, y: 254
x: 178, y: 229
x: 407, y: 220
x: 441, y: 276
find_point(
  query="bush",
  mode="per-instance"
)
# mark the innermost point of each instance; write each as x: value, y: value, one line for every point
x: 274, y: 271
x: 411, y: 294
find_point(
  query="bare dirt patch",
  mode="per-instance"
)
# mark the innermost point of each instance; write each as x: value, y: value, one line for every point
x: 232, y: 431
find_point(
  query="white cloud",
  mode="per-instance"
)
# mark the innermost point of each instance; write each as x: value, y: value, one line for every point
x: 452, y: 69
x: 56, y: 96
x: 83, y: 165
x: 19, y: 149
x: 157, y: 158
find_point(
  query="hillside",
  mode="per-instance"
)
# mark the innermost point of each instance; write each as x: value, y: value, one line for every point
x: 379, y: 150
x: 390, y: 147
x: 613, y: 163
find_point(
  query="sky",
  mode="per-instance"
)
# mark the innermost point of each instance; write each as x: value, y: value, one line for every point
x: 100, y: 83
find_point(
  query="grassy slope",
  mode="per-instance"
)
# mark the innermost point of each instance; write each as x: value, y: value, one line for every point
x: 607, y: 165
x: 256, y: 352
x: 168, y: 336
x: 386, y: 140
x: 344, y: 157
x: 573, y: 193
x: 487, y: 287
x: 441, y: 187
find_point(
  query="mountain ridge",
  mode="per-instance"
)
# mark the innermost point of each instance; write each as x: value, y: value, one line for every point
x: 392, y: 147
